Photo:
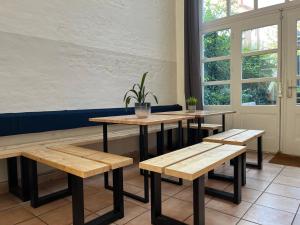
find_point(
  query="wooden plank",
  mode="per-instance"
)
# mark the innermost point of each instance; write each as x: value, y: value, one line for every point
x: 198, y: 113
x: 244, y: 137
x: 158, y: 164
x: 219, y: 138
x: 133, y: 120
x: 68, y: 163
x: 199, y: 165
x: 5, y: 154
x: 204, y: 126
x: 114, y: 161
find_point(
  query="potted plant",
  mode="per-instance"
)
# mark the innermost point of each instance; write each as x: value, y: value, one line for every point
x: 192, y: 103
x: 139, y: 94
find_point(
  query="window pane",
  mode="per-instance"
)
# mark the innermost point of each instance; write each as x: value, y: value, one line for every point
x: 217, y: 70
x: 262, y: 93
x: 298, y: 92
x: 240, y: 6
x: 264, y: 38
x: 217, y: 94
x: 217, y: 43
x: 298, y: 62
x: 259, y: 66
x: 214, y: 9
x: 265, y: 3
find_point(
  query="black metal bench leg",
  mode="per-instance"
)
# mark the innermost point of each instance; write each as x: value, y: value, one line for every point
x: 199, y: 201
x: 21, y: 191
x: 244, y: 179
x: 77, y: 200
x: 259, y: 164
x: 237, y: 185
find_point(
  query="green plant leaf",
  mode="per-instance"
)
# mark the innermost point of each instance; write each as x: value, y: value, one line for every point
x: 143, y: 80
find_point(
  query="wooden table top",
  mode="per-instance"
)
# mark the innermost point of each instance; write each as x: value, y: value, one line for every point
x: 198, y: 113
x: 133, y: 120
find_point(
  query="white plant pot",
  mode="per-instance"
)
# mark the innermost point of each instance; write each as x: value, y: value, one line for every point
x: 142, y: 110
x: 192, y: 108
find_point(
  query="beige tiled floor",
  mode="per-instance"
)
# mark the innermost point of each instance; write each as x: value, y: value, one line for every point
x: 271, y: 197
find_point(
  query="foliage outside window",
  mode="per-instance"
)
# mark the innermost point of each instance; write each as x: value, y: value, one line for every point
x: 260, y: 66
x: 216, y: 67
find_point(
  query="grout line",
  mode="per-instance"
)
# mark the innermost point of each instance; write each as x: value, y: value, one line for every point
x: 296, y: 214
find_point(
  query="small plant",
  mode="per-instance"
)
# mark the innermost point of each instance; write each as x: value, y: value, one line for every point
x: 192, y: 100
x: 138, y: 92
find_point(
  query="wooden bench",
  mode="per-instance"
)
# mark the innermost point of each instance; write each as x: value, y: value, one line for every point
x: 205, y: 126
x: 192, y: 163
x: 241, y: 137
x: 78, y: 168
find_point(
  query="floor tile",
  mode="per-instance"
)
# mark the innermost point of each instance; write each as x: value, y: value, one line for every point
x: 268, y: 216
x: 217, y: 184
x: 283, y: 190
x: 297, y: 220
x: 248, y: 195
x: 213, y: 217
x: 131, y: 211
x: 98, y: 201
x: 144, y: 219
x: 261, y: 174
x: 14, y: 215
x: 171, y: 189
x: 8, y: 200
x: 279, y: 202
x: 290, y: 181
x: 60, y: 216
x: 255, y: 184
x: 245, y: 222
x: 187, y: 195
x: 177, y: 209
x: 34, y: 221
x: 291, y: 171
x: 229, y: 207
x: 47, y: 207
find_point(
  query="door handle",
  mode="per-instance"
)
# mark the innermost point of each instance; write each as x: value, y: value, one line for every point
x: 290, y: 88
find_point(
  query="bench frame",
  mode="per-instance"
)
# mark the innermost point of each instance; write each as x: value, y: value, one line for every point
x: 75, y: 188
x: 22, y: 191
x: 199, y: 191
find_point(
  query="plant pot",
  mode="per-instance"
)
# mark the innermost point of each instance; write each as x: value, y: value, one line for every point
x: 192, y: 108
x: 142, y: 110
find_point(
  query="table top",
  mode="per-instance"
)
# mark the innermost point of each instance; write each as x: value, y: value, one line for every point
x: 153, y: 119
x: 198, y: 113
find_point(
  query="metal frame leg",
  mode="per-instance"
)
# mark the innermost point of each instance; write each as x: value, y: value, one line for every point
x: 179, y: 135
x: 223, y: 122
x: 37, y: 201
x: 259, y: 164
x: 199, y: 200
x: 244, y: 180
x: 189, y: 134
x: 170, y: 139
x: 21, y: 191
x: 199, y: 131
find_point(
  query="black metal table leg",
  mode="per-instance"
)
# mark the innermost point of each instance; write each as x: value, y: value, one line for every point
x: 259, y: 164
x: 223, y: 122
x: 189, y: 135
x: 199, y: 130
x: 170, y: 139
x: 21, y: 191
x: 199, y: 200
x: 36, y: 200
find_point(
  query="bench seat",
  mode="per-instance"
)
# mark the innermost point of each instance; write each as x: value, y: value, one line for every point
x: 192, y: 163
x: 205, y: 126
x: 241, y: 137
x: 10, y: 153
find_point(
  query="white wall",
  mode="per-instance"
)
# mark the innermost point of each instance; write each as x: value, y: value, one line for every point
x: 78, y: 54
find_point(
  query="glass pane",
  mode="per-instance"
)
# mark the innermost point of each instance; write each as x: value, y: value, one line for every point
x: 214, y: 9
x: 259, y: 39
x: 298, y: 62
x: 298, y: 34
x: 265, y: 3
x: 298, y: 92
x: 240, y: 6
x: 217, y: 43
x: 259, y: 66
x: 262, y: 93
x: 217, y: 70
x: 217, y: 94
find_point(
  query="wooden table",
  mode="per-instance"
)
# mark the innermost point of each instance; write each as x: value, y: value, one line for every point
x: 143, y: 124
x: 198, y: 115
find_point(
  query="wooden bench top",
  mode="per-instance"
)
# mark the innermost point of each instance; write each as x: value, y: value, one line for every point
x: 204, y: 126
x: 158, y: 164
x: 198, y: 113
x: 5, y: 154
x: 199, y: 165
x: 235, y: 136
x: 114, y: 161
x: 133, y: 120
x: 68, y: 163
x: 191, y: 166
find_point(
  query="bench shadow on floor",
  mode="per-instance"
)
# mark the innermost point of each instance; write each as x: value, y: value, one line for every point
x: 271, y: 196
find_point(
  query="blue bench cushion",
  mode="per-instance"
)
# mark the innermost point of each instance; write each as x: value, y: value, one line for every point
x: 32, y: 122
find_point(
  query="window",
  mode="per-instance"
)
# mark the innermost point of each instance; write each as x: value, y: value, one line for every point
x: 217, y: 9
x: 216, y: 67
x: 260, y: 66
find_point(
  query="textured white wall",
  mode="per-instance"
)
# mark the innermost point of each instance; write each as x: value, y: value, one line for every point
x: 78, y: 54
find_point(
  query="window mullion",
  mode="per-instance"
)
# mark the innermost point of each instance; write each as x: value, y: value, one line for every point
x: 255, y: 4
x: 228, y: 7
